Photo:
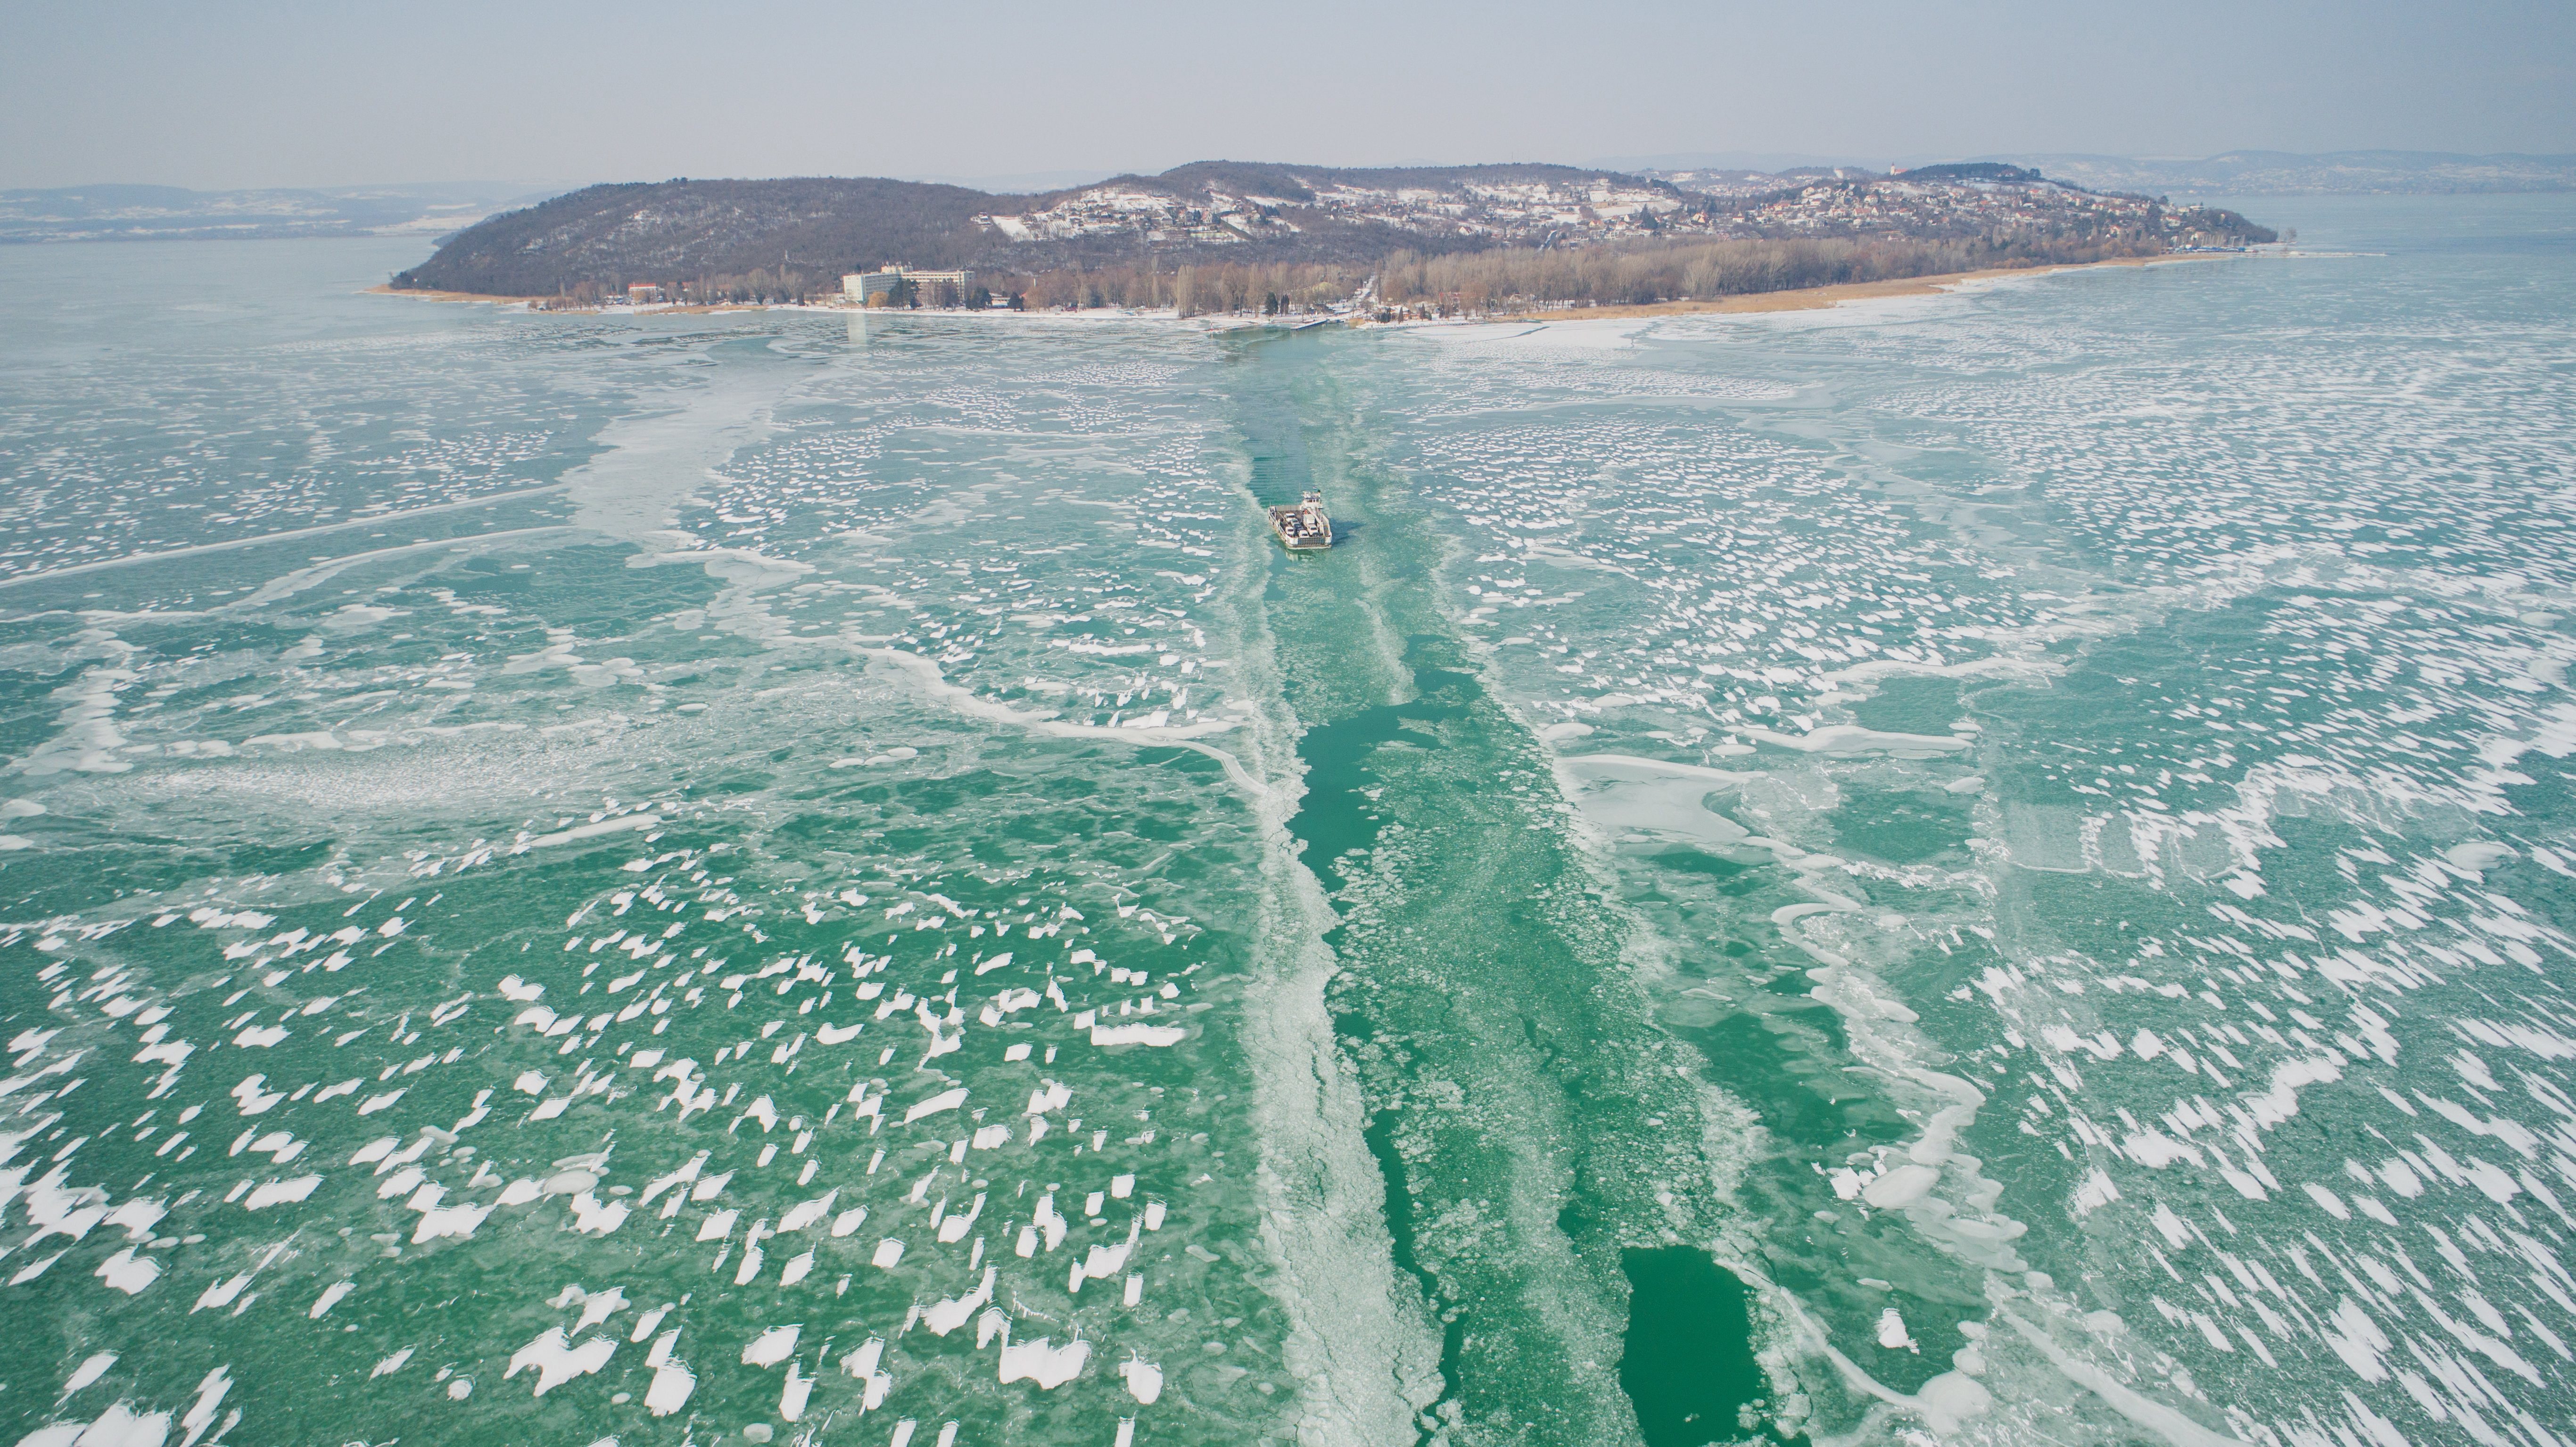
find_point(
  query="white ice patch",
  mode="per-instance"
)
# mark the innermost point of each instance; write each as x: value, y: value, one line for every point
x: 672, y: 1384
x: 128, y: 1272
x: 118, y: 1426
x: 598, y: 1307
x: 2477, y: 856
x: 590, y: 831
x: 806, y: 1213
x: 1042, y: 1362
x: 252, y: 1099
x: 1892, y: 1333
x: 591, y: 1217
x: 458, y: 1221
x: 771, y: 1347
x: 276, y: 1193
x: 944, y: 1100
x: 90, y: 740
x: 951, y: 1313
x: 1901, y: 1187
x: 1144, y: 1379
x: 88, y: 1371
x: 1137, y: 1033
x: 1629, y: 797
x: 556, y: 1361
x: 1840, y: 739
x: 210, y: 1395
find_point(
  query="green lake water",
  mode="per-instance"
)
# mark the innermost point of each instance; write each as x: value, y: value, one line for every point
x: 1984, y: 868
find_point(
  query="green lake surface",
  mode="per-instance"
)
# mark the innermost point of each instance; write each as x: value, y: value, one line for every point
x: 1986, y: 868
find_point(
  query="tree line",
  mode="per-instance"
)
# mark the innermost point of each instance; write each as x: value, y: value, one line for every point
x: 1455, y: 283
x: 1193, y: 290
x: 1709, y: 270
x: 1511, y: 277
x: 757, y: 287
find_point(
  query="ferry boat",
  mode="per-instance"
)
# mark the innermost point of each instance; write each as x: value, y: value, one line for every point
x: 1305, y: 527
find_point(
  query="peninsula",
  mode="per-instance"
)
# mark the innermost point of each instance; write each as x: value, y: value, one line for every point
x: 1222, y: 236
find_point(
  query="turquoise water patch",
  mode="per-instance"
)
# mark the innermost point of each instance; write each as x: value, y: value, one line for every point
x: 1902, y: 826
x: 1688, y: 1361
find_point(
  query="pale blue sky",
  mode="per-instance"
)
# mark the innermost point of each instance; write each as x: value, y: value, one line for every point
x: 231, y: 95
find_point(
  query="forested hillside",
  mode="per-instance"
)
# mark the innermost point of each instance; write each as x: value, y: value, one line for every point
x: 1297, y: 235
x: 644, y: 231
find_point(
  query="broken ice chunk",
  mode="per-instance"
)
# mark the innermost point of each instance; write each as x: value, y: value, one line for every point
x: 771, y: 1347
x: 557, y: 1362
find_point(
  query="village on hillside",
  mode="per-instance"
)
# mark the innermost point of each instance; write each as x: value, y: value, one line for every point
x: 1607, y: 208
x: 1842, y: 202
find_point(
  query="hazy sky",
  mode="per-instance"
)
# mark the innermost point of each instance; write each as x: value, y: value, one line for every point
x: 240, y: 94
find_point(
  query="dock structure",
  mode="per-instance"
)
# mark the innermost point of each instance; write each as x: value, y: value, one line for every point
x: 1305, y: 527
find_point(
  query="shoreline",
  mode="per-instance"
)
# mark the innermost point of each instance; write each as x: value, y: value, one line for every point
x: 1813, y: 298
x: 1817, y: 298
x: 708, y: 308
x: 389, y: 289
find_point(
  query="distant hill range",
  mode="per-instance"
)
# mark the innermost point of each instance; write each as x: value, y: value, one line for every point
x: 2282, y: 173
x: 1237, y: 213
x: 2235, y: 173
x: 168, y: 213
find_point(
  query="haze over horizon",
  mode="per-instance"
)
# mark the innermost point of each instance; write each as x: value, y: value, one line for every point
x: 307, y: 95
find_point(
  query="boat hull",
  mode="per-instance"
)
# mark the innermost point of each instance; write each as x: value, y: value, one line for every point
x: 1302, y: 529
